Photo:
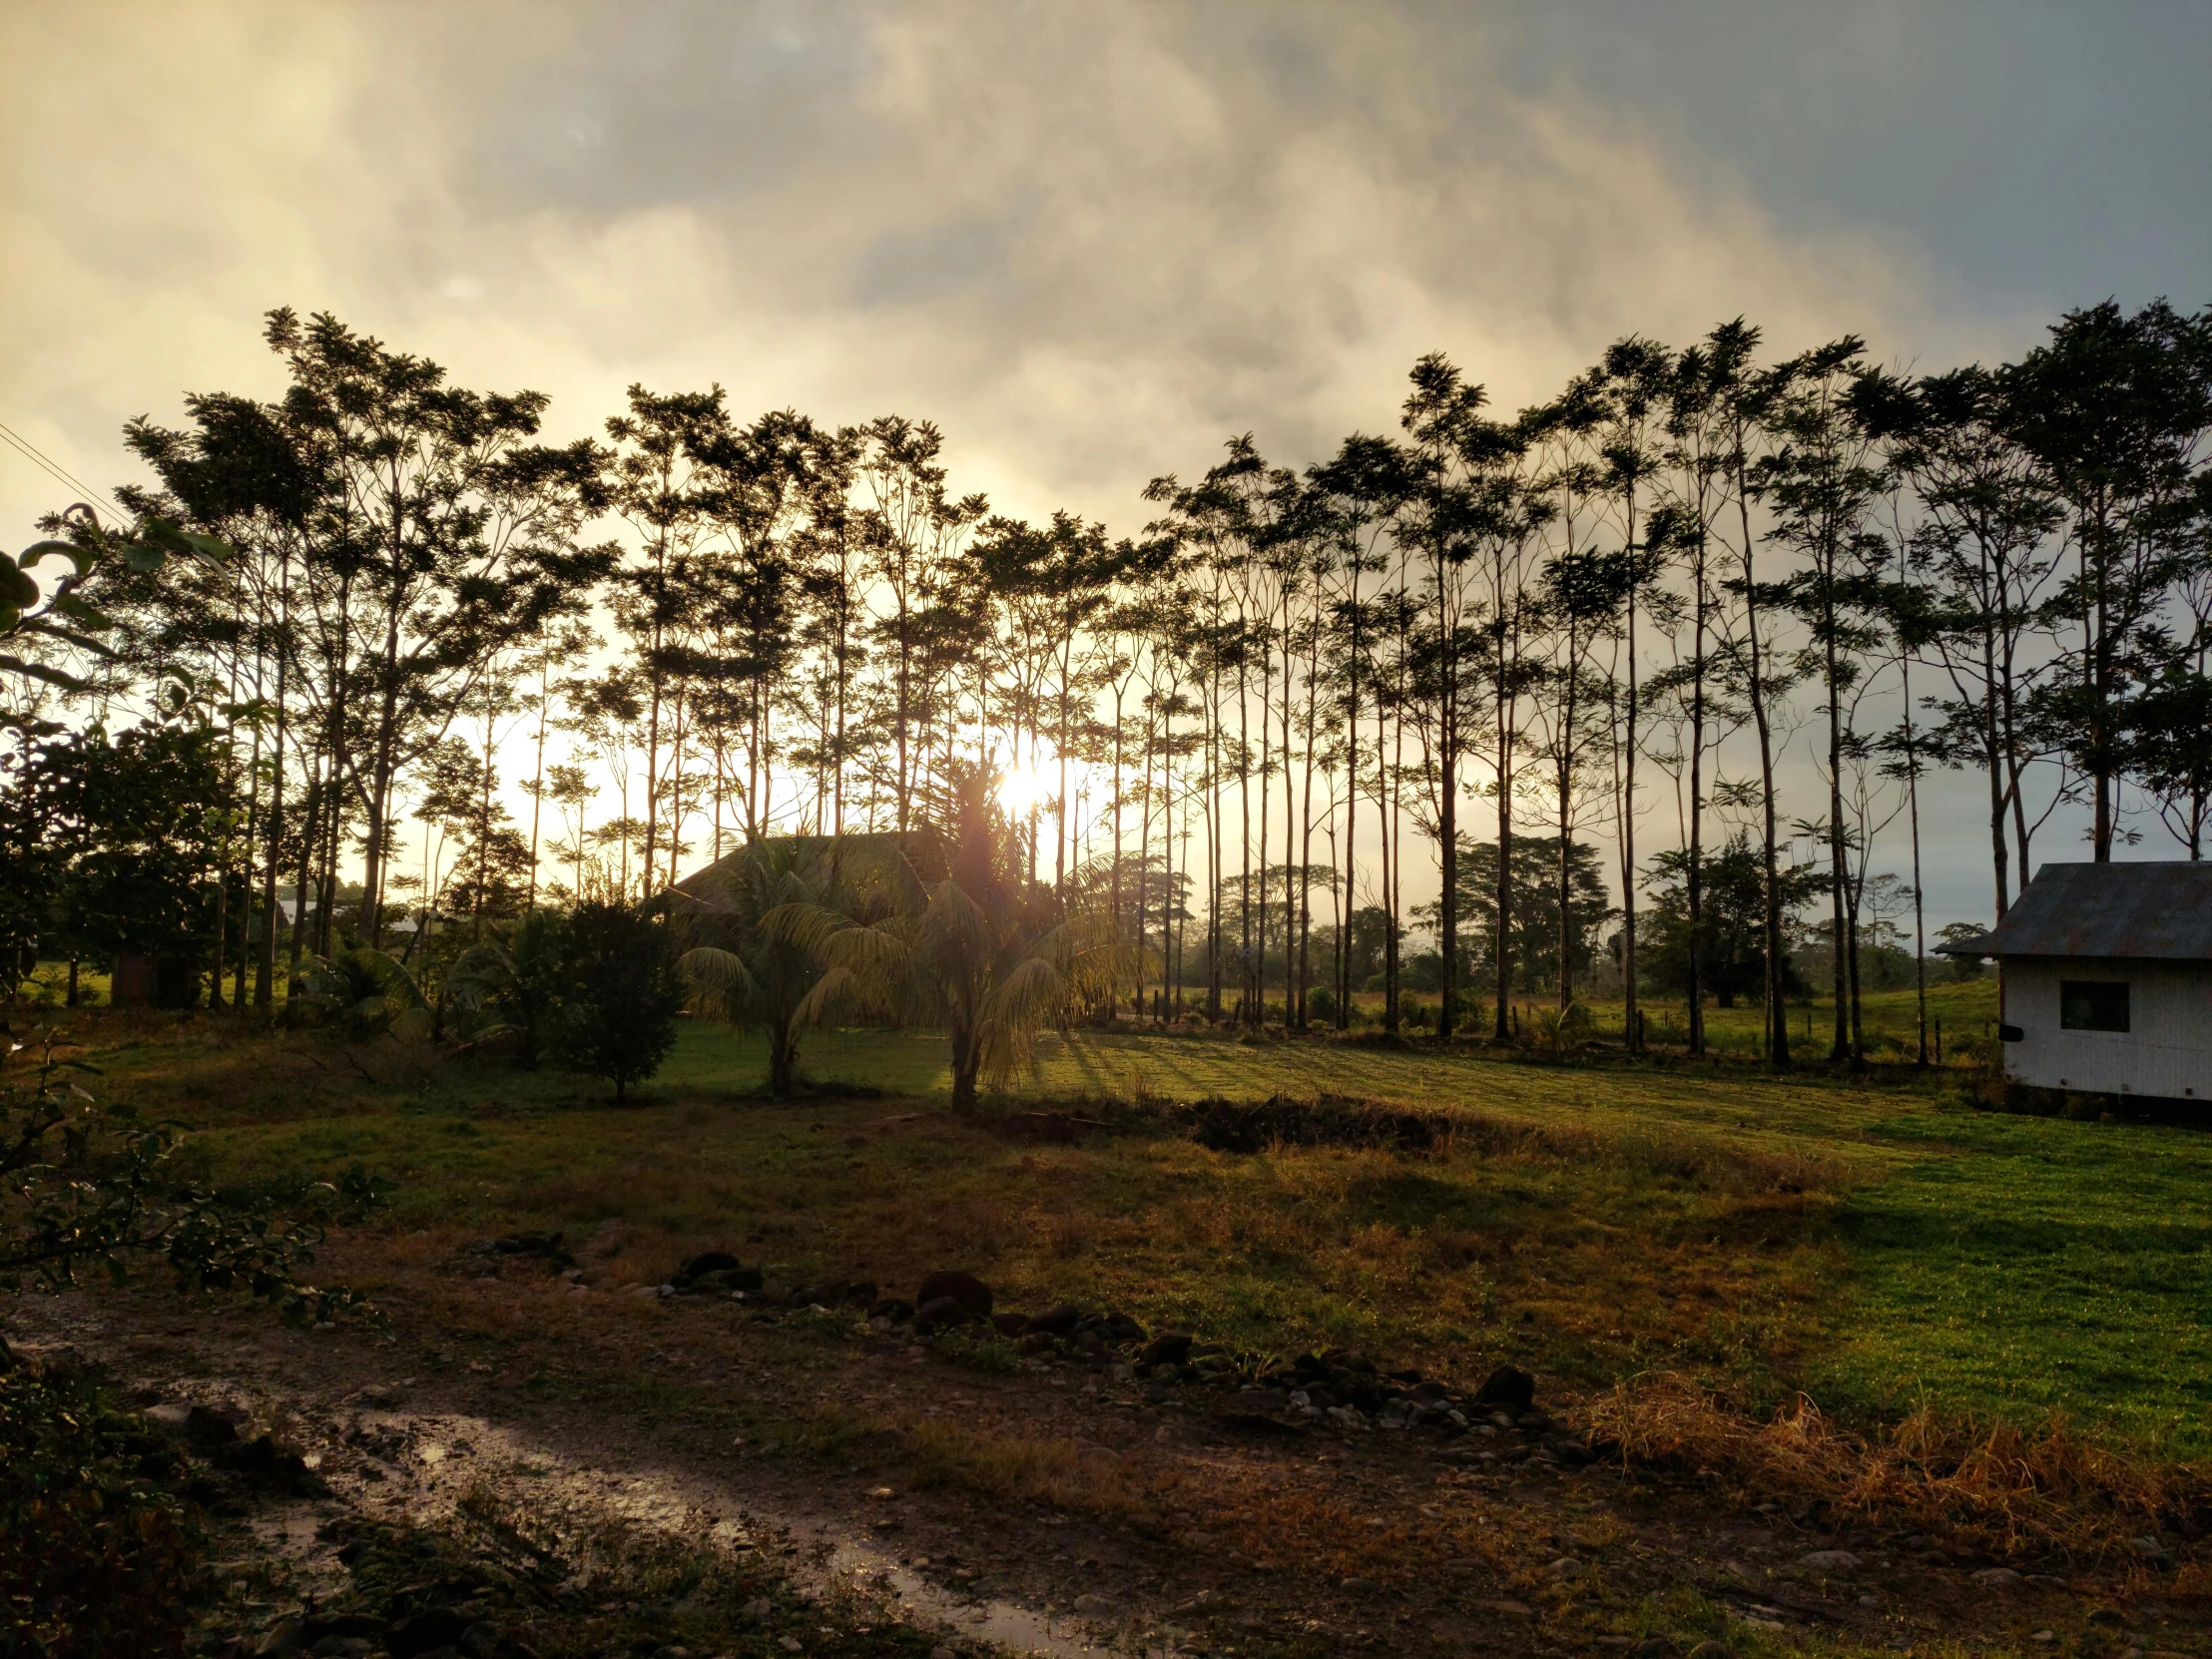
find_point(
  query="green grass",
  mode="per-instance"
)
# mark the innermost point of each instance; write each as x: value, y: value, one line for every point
x: 1878, y: 1243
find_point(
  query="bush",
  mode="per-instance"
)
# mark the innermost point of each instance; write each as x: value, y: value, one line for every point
x: 95, y: 1558
x: 1321, y: 1005
x: 617, y: 996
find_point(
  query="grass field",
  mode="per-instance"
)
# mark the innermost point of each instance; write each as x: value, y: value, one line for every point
x: 1880, y: 1244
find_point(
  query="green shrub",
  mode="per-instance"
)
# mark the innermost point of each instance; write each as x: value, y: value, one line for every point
x: 616, y: 995
x: 978, y: 1347
x: 94, y: 1555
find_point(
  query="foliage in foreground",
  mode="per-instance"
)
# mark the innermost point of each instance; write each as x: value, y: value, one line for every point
x: 91, y: 1180
x: 95, y: 1552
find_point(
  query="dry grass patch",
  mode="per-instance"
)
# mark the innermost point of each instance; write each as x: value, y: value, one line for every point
x: 1989, y: 1486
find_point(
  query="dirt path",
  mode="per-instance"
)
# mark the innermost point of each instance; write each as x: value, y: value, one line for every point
x: 1052, y: 1511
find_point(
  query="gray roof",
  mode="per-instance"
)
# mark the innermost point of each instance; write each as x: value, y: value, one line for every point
x: 2159, y: 912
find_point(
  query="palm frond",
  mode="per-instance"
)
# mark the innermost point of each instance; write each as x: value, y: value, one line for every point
x: 718, y: 974
x: 834, y: 986
x: 1024, y: 1001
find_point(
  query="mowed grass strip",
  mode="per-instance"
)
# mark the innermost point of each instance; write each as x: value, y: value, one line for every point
x: 1877, y: 1245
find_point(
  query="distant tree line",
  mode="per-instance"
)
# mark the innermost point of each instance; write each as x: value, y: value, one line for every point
x: 1551, y: 665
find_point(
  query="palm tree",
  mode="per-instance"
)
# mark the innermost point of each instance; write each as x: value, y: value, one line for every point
x: 986, y: 955
x: 734, y: 966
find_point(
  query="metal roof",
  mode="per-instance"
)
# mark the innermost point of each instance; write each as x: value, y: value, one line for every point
x: 2156, y: 911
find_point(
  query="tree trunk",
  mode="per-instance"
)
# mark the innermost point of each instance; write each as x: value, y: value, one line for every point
x: 1778, y: 1015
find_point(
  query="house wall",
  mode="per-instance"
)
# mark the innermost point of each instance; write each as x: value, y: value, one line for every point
x: 2167, y: 1050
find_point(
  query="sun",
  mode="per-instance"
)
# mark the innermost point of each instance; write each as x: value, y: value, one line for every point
x: 1020, y: 791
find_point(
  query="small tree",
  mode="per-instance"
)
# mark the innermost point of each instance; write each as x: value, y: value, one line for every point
x: 982, y: 955
x: 733, y: 966
x: 618, y: 996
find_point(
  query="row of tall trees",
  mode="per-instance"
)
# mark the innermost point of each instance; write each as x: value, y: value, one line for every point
x: 1248, y: 732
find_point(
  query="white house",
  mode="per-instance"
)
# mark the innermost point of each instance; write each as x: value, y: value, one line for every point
x: 2104, y: 979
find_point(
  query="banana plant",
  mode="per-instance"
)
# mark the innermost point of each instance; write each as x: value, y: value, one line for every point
x: 366, y: 991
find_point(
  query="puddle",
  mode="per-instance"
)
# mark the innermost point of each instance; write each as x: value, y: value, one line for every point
x: 430, y: 1460
x: 1022, y: 1629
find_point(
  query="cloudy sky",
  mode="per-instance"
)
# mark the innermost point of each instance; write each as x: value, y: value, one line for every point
x: 1089, y: 240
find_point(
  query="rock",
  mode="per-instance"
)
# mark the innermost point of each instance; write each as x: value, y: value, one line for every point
x: 1347, y: 1359
x: 279, y: 1641
x: 860, y: 1293
x: 963, y: 1288
x: 1357, y: 1586
x: 760, y: 1611
x: 789, y: 1644
x: 434, y: 1627
x: 1257, y: 1423
x: 545, y: 1245
x: 209, y: 1427
x: 343, y: 1647
x: 480, y: 1641
x: 1509, y: 1387
x: 1169, y: 1348
x: 267, y: 1459
x: 943, y: 1652
x: 1057, y: 1322
x: 2151, y: 1549
x: 1838, y: 1561
x: 1996, y: 1578
x: 1652, y: 1647
x: 1093, y: 1604
x: 723, y: 1278
x: 1010, y: 1324
x: 940, y: 1313
x: 892, y: 1308
x: 366, y: 1627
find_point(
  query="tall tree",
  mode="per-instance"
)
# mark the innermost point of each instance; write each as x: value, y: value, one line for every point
x: 2116, y: 410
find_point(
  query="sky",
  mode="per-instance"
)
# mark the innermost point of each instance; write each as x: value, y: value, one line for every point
x: 1090, y: 241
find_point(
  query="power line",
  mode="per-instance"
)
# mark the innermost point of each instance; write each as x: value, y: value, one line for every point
x: 59, y: 471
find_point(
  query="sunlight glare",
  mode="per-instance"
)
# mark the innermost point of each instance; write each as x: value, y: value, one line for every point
x: 1021, y: 789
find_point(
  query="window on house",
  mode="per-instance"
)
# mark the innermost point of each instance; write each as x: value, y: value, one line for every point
x: 2092, y: 1004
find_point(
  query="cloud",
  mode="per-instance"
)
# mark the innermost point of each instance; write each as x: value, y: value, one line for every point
x: 1088, y: 242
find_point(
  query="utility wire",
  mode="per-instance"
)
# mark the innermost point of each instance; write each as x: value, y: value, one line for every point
x: 60, y: 473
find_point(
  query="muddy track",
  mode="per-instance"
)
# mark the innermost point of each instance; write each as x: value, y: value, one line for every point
x: 1042, y: 1511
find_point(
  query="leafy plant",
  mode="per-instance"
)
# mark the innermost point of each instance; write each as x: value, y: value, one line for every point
x: 85, y: 1180
x: 37, y: 624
